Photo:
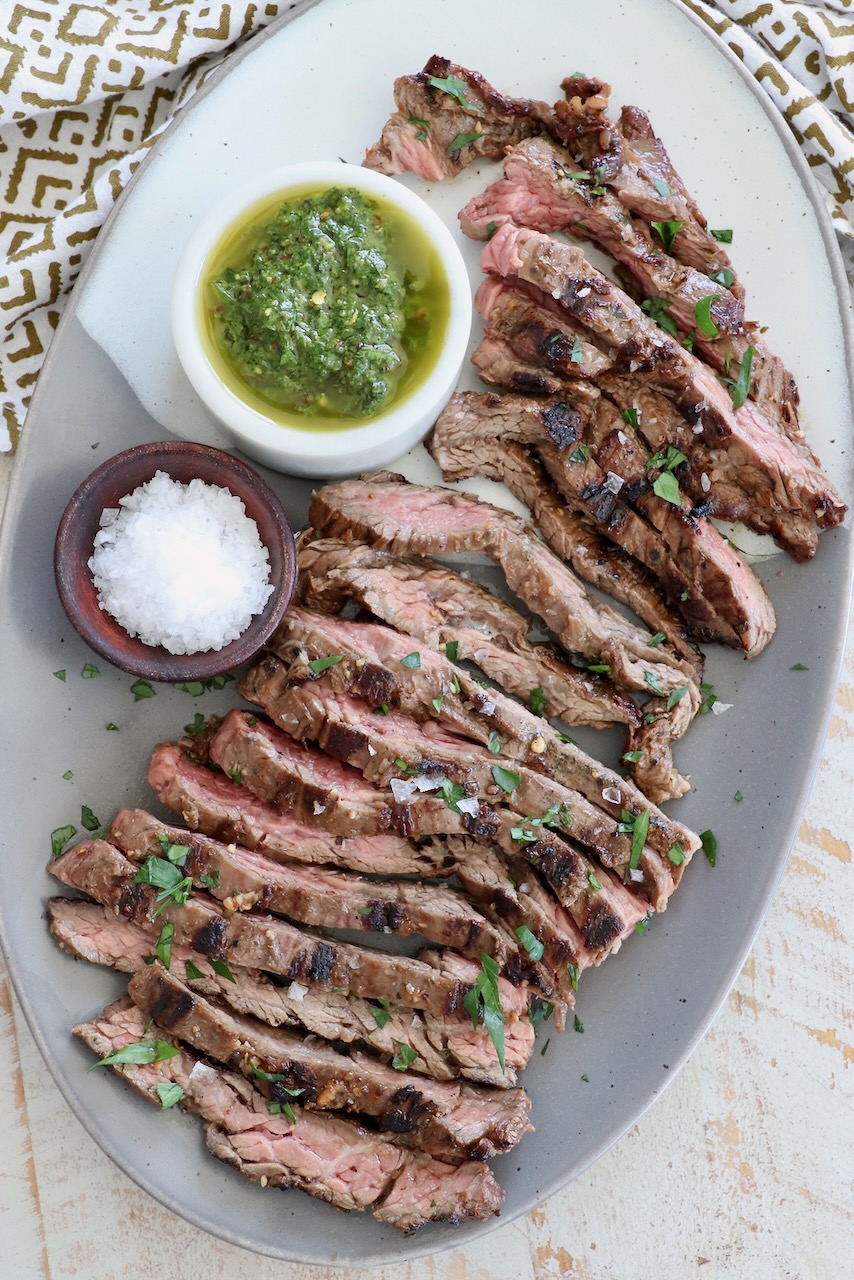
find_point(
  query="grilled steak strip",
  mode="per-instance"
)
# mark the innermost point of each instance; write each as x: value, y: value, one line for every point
x: 438, y: 606
x: 423, y: 135
x: 246, y: 881
x: 405, y: 518
x: 536, y: 192
x: 446, y: 1048
x: 725, y: 601
x: 440, y: 1118
x: 783, y: 492
x: 331, y: 1158
x: 466, y: 709
x: 208, y: 801
x: 263, y: 942
x: 285, y: 773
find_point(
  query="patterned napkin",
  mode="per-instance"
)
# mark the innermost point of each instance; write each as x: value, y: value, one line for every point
x: 87, y: 87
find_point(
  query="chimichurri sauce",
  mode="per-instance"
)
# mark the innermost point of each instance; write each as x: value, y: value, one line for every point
x: 320, y: 313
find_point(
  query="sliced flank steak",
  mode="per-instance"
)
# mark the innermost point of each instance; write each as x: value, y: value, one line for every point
x: 331, y: 1158
x: 440, y: 607
x: 782, y: 491
x: 447, y: 117
x: 412, y: 519
x: 206, y: 800
x: 316, y: 787
x: 584, y: 445
x: 91, y: 932
x: 445, y: 1119
x: 246, y: 881
x: 261, y: 941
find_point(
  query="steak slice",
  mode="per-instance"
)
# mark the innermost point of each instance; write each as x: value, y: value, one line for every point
x: 466, y: 709
x: 245, y: 881
x: 440, y: 128
x: 440, y: 607
x: 90, y: 932
x: 538, y: 191
x: 783, y: 489
x: 288, y: 775
x: 405, y: 518
x: 443, y: 1118
x: 208, y: 801
x: 263, y: 942
x: 499, y: 366
x: 725, y: 601
x: 331, y: 1158
x: 536, y: 329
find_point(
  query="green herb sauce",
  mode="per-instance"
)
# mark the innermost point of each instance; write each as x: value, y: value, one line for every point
x: 324, y: 309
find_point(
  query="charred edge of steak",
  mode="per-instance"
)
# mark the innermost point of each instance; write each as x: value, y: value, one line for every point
x: 563, y: 424
x: 210, y: 939
x: 344, y: 741
x: 557, y: 862
x: 408, y: 1111
x: 601, y: 928
x: 383, y: 917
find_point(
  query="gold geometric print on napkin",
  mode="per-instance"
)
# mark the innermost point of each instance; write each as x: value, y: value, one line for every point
x: 85, y: 89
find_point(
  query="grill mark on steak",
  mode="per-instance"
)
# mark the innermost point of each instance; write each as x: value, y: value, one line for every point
x: 264, y: 942
x: 329, y: 1157
x: 783, y: 490
x: 210, y: 802
x: 405, y: 518
x: 438, y: 1117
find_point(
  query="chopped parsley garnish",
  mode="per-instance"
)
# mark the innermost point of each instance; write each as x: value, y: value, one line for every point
x: 455, y: 89
x: 507, y: 780
x: 112, y: 728
x: 68, y: 775
x: 221, y: 967
x: 666, y: 487
x: 522, y: 836
x: 545, y: 1047
x: 404, y: 1057
x: 141, y: 689
x: 667, y: 231
x: 210, y: 881
x: 282, y: 1108
x: 703, y: 316
x: 661, y: 187
x: 540, y: 1011
x: 676, y: 855
x: 631, y: 416
x: 88, y: 819
x: 722, y: 234
x: 323, y: 664
x: 738, y: 796
x: 455, y: 684
x: 60, y: 837
x: 379, y: 1009
x: 236, y: 775
x: 707, y: 692
x: 642, y: 925
x: 676, y: 696
x: 599, y: 668
x: 452, y: 793
x: 799, y: 666
x: 709, y: 841
x: 483, y: 1001
x: 576, y: 355
x: 572, y: 970
x: 493, y: 743
x: 194, y: 688
x: 739, y: 388
x: 652, y: 681
x: 381, y: 710
x: 724, y: 277
x: 586, y: 1078
x: 90, y: 671
x: 417, y: 120
x: 61, y: 675
x: 163, y: 945
x: 452, y: 650
x: 655, y: 641
x: 197, y: 726
x: 168, y: 1094
x: 637, y: 825
x: 578, y: 1025
x: 491, y: 228
x: 411, y: 660
x: 656, y: 309
x: 581, y: 454
x: 139, y: 1053
x: 632, y: 757
x: 437, y: 704
x: 532, y: 945
x: 537, y: 701
x: 461, y: 140
x: 592, y: 880
x: 688, y: 341
x: 192, y: 972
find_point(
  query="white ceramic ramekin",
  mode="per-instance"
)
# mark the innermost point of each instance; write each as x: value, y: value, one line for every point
x: 315, y: 453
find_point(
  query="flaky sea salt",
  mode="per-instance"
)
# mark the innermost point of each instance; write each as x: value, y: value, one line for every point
x: 180, y: 565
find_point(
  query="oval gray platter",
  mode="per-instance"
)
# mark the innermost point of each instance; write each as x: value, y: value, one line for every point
x: 643, y: 1011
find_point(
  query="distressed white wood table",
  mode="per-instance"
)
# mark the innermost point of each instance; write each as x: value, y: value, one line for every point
x: 744, y: 1170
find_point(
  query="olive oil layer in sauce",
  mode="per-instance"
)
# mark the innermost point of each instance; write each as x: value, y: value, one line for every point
x: 322, y: 308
